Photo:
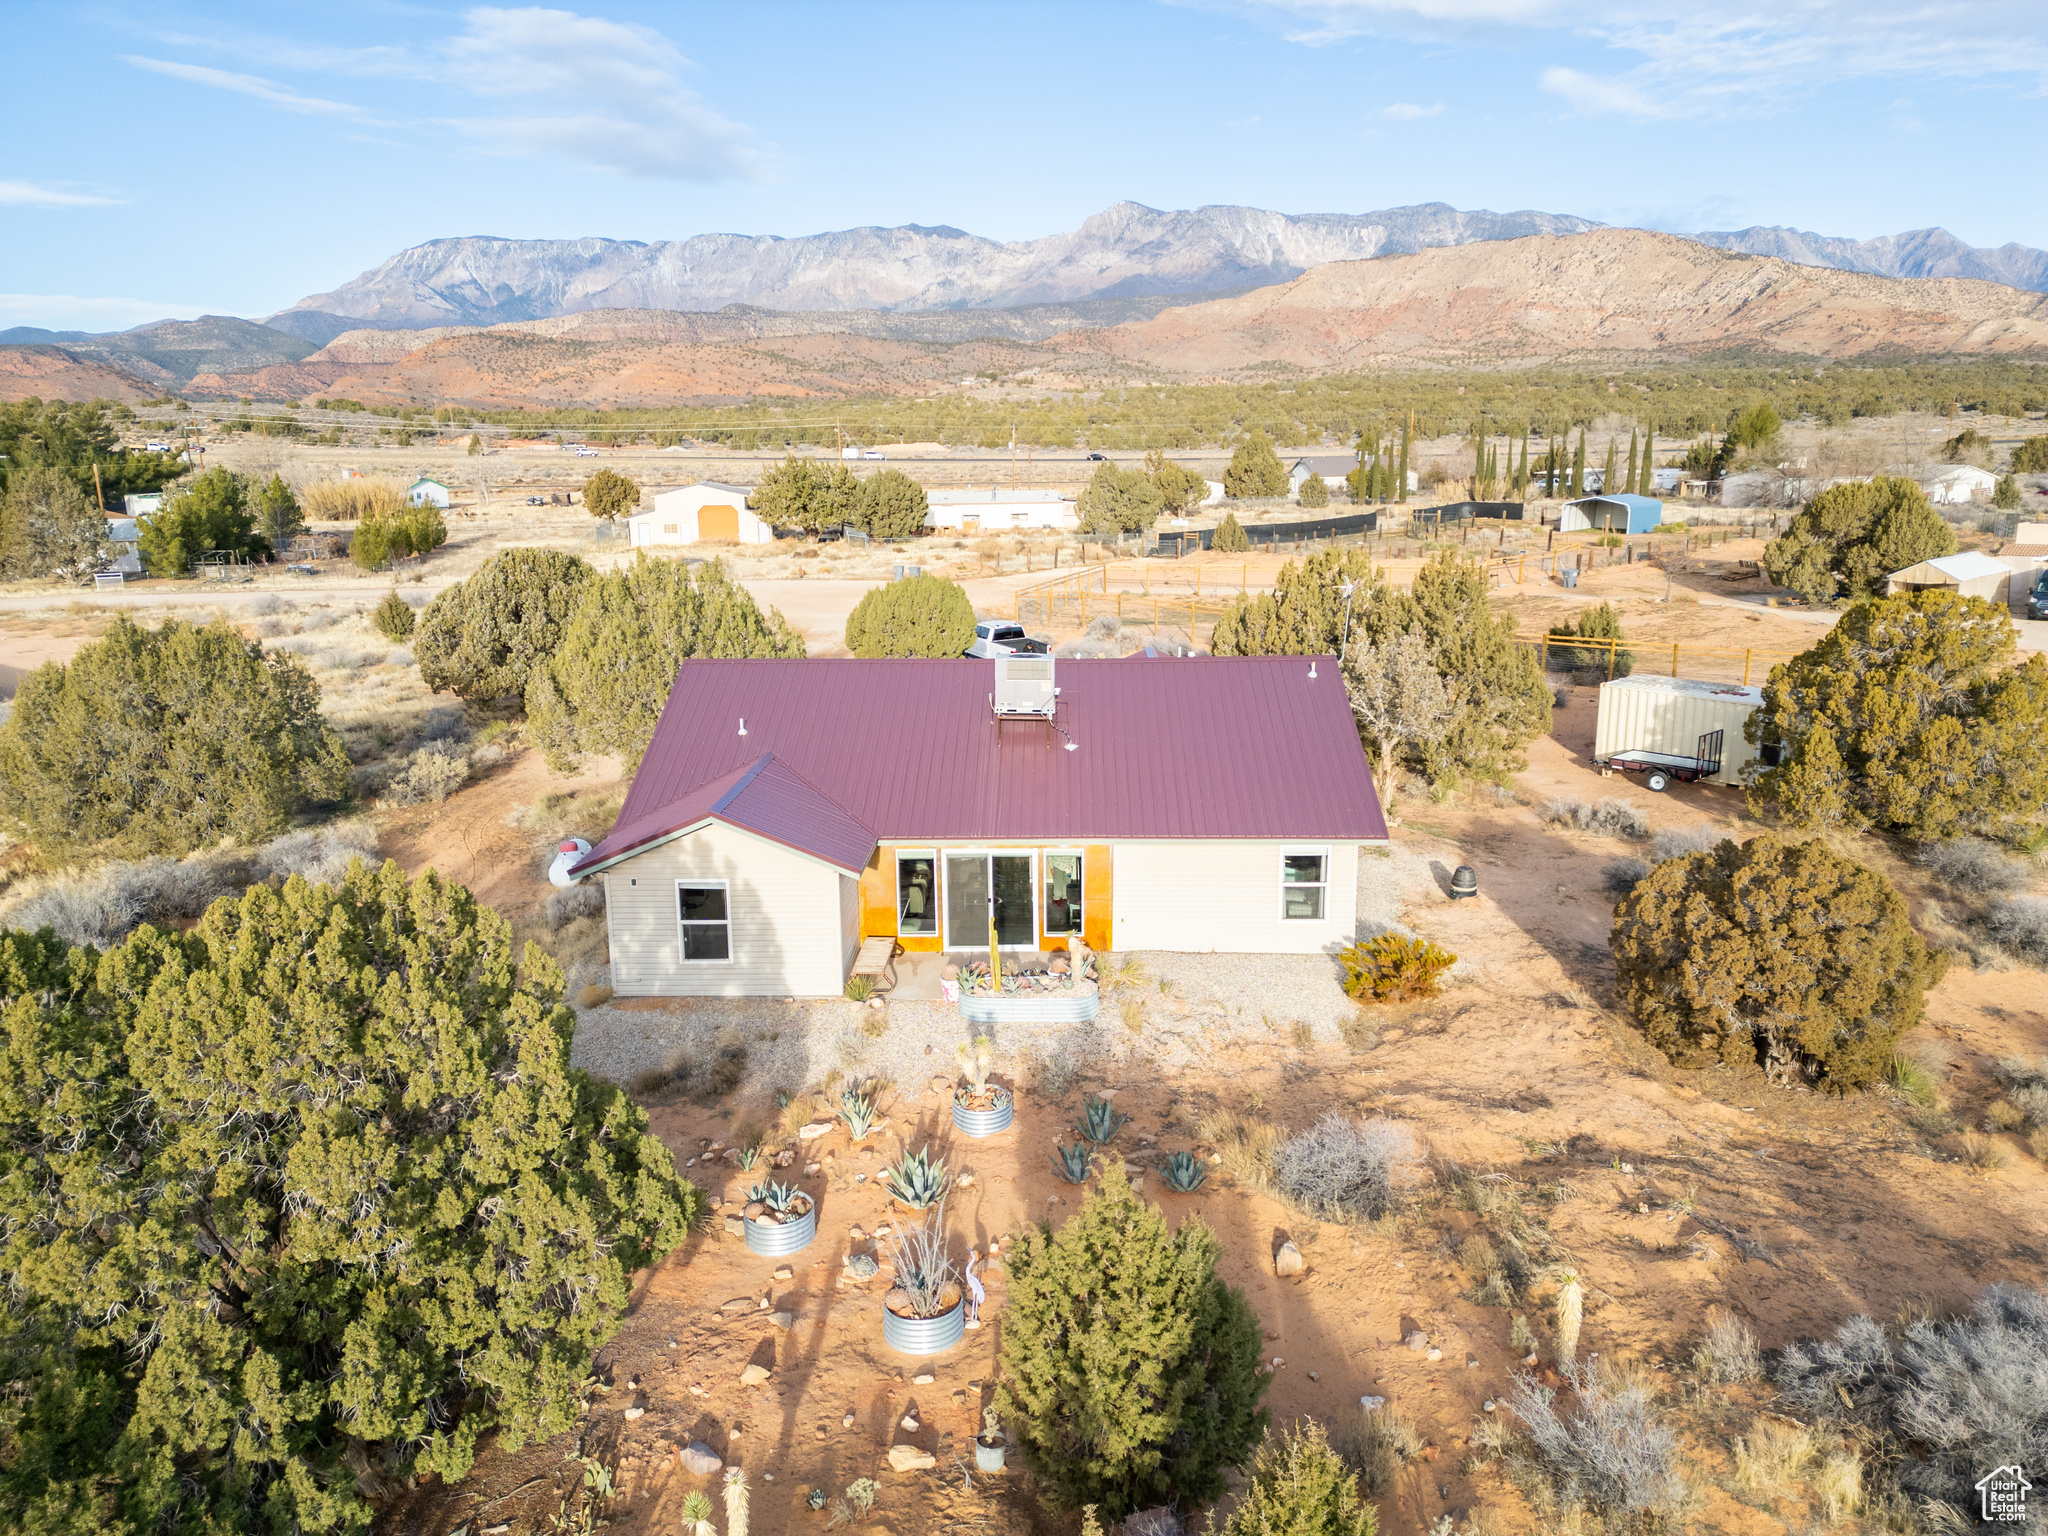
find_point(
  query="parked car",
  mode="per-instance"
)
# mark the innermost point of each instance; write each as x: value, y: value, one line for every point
x: 2037, y: 600
x: 536, y: 501
x: 999, y: 637
x: 154, y: 446
x: 873, y: 453
x: 585, y: 453
x: 1098, y: 458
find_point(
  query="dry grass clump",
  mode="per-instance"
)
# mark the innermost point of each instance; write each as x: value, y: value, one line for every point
x: 1375, y: 1446
x: 1678, y: 842
x: 1607, y: 816
x: 1727, y: 1353
x: 704, y: 1080
x: 428, y: 776
x: 1973, y: 865
x: 1609, y: 1452
x: 1344, y: 1169
x: 2026, y: 1085
x: 350, y: 501
x: 2020, y: 926
x: 1983, y: 1153
x: 565, y: 907
x: 1624, y: 875
x: 1244, y: 1145
x: 1779, y: 1459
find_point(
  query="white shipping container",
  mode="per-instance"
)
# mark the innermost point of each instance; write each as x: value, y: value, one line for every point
x: 1667, y: 716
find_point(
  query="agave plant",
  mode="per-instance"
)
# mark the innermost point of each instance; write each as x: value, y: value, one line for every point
x: 1184, y: 1173
x: 1100, y: 1122
x: 858, y: 1111
x: 917, y: 1179
x: 784, y: 1202
x: 1071, y: 1162
x: 746, y: 1157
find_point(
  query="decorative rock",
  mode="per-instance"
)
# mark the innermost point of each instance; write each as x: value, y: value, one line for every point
x: 862, y: 1266
x: 1312, y: 1376
x: 738, y: 1304
x: 922, y: 1379
x: 734, y: 1227
x: 1471, y: 1362
x: 1433, y: 1354
x: 1370, y: 1403
x: 1487, y: 1406
x: 699, y: 1459
x: 814, y: 1130
x: 784, y: 1272
x: 942, y: 1085
x: 857, y: 1232
x: 965, y: 1181
x: 782, y: 1320
x: 908, y: 1458
x: 786, y: 1158
x: 753, y: 1375
x: 1430, y: 1453
x: 1288, y: 1261
x: 636, y: 1412
x: 1417, y: 1341
x: 910, y: 1422
x: 847, y: 1422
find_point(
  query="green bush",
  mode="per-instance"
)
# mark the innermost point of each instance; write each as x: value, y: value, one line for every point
x: 344, y: 1187
x: 1118, y: 501
x: 1129, y: 1370
x: 49, y: 528
x: 2031, y: 456
x: 1180, y: 489
x: 278, y: 516
x: 1230, y: 537
x: 1850, y: 537
x: 610, y: 494
x: 1255, y: 469
x: 393, y: 617
x: 2006, y: 495
x: 1393, y: 968
x: 163, y: 741
x: 209, y: 512
x: 602, y: 687
x: 1315, y: 491
x: 384, y: 537
x: 891, y: 506
x: 1301, y: 1487
x: 1779, y: 953
x: 483, y: 638
x: 917, y: 616
x: 1597, y: 623
x: 806, y: 494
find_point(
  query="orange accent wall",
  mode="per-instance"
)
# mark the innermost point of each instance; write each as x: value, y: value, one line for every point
x: 1097, y: 882
x: 877, y: 901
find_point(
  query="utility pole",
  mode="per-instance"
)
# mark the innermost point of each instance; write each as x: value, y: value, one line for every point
x: 102, y: 495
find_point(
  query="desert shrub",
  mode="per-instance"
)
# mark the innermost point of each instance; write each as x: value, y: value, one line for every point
x: 1972, y: 864
x: 564, y: 907
x: 49, y: 528
x: 1245, y: 1144
x: 165, y: 740
x: 1607, y: 816
x: 1780, y: 953
x: 610, y: 494
x: 602, y: 688
x: 1230, y: 537
x: 1849, y: 537
x: 1957, y: 1397
x: 1678, y: 842
x: 2021, y: 925
x: 429, y: 776
x: 393, y: 617
x: 484, y: 638
x: 1610, y: 1451
x: 1376, y: 1446
x: 1315, y: 491
x: 1129, y: 1370
x: 1300, y: 1487
x: 1911, y: 1077
x: 102, y: 907
x: 1344, y: 1169
x: 318, y: 854
x: 1623, y: 875
x: 413, y: 529
x: 349, y: 501
x: 1911, y: 714
x: 2026, y: 1083
x: 1120, y: 500
x: 1597, y: 623
x: 891, y: 505
x: 137, y: 1370
x: 1727, y: 1352
x: 1255, y: 469
x: 917, y: 616
x: 1393, y: 968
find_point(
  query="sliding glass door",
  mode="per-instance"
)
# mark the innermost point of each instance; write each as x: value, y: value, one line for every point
x: 988, y: 887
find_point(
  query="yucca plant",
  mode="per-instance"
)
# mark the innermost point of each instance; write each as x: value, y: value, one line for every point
x: 1100, y: 1122
x: 1071, y: 1162
x: 858, y: 1111
x: 917, y: 1178
x: 1184, y: 1173
x: 859, y: 988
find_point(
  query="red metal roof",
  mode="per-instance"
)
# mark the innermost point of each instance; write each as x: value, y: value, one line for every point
x: 907, y: 751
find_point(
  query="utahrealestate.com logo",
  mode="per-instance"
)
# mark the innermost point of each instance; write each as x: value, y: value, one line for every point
x: 2005, y: 1497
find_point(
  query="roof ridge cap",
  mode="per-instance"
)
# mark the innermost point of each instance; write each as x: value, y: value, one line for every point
x: 753, y: 772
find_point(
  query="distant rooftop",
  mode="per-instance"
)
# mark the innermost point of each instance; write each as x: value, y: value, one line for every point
x: 959, y: 498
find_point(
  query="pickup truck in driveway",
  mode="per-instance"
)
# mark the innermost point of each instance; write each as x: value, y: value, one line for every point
x: 999, y: 637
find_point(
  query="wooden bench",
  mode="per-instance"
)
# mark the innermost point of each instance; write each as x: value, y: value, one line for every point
x: 877, y: 959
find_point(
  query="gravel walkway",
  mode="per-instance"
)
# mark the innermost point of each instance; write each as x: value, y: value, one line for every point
x: 1186, y: 1007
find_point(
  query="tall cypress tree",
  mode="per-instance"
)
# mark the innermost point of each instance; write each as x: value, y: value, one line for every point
x: 1647, y: 481
x: 1607, y: 481
x: 1401, y: 478
x: 1630, y: 483
x: 1577, y: 484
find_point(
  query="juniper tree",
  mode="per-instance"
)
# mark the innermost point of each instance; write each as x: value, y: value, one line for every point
x: 1846, y: 540
x: 1255, y: 469
x: 1230, y: 537
x: 484, y: 637
x: 49, y: 528
x: 1315, y: 491
x: 891, y: 505
x: 609, y: 494
x: 1130, y: 1371
x: 1180, y: 489
x: 601, y: 687
x: 394, y: 617
x: 1117, y: 501
x: 1300, y: 1487
x: 917, y: 616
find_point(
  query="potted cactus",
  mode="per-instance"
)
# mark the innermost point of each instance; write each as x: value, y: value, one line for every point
x: 779, y: 1219
x: 980, y: 1108
x: 925, y: 1312
x: 917, y: 1181
x: 990, y: 1445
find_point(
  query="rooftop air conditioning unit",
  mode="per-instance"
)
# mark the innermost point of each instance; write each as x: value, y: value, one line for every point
x: 1024, y: 686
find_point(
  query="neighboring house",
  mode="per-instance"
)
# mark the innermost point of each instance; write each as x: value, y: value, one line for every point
x: 1972, y: 573
x: 708, y: 510
x: 972, y: 511
x: 1950, y: 484
x: 786, y: 810
x: 125, y: 534
x: 1619, y: 513
x: 427, y: 493
x: 143, y: 506
x: 1333, y: 467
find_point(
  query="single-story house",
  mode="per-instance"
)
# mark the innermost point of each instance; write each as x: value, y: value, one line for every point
x: 787, y: 810
x: 707, y: 510
x: 427, y: 493
x: 1972, y: 573
x: 1333, y: 467
x: 995, y: 508
x: 147, y: 505
x: 125, y: 533
x: 1953, y: 484
x: 1619, y: 513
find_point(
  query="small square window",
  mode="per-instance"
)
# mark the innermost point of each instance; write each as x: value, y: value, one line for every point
x: 1304, y: 882
x: 705, y: 923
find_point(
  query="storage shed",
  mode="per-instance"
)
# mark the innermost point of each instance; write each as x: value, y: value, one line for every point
x: 427, y: 493
x: 707, y: 510
x: 1973, y: 574
x: 1619, y: 513
x: 1671, y: 722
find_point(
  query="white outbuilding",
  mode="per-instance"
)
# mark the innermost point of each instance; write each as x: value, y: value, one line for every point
x: 1955, y: 483
x: 708, y: 511
x: 427, y: 493
x: 978, y: 511
x: 1972, y: 574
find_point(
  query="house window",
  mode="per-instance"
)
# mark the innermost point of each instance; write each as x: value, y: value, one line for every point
x: 917, y: 893
x: 1304, y: 881
x: 706, y: 923
x: 1062, y: 894
x: 670, y: 527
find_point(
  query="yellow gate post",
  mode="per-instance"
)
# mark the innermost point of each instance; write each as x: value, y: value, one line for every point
x: 1745, y: 669
x: 1674, y: 658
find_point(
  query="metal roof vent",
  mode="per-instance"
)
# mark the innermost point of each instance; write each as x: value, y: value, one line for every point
x: 1024, y: 687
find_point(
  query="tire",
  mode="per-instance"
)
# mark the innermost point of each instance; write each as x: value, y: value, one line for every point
x: 1657, y: 781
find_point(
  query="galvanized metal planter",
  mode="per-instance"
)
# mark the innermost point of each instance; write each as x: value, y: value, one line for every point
x: 984, y: 1122
x: 778, y: 1241
x: 925, y: 1335
x: 1075, y: 1008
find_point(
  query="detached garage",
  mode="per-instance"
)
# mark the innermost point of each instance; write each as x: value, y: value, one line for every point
x: 1973, y: 574
x: 705, y: 512
x: 1619, y: 513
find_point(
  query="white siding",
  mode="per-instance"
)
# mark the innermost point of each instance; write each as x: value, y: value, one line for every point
x: 787, y: 913
x: 1225, y: 895
x: 849, y: 922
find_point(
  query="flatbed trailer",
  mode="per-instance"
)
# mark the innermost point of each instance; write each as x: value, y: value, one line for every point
x: 1663, y: 767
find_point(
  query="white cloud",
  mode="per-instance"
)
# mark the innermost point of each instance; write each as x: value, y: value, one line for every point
x: 1407, y: 111
x: 1591, y: 94
x: 245, y: 85
x: 70, y: 312
x: 602, y: 92
x: 28, y: 194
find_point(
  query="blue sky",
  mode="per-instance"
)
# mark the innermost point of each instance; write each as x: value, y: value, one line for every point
x: 169, y: 159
